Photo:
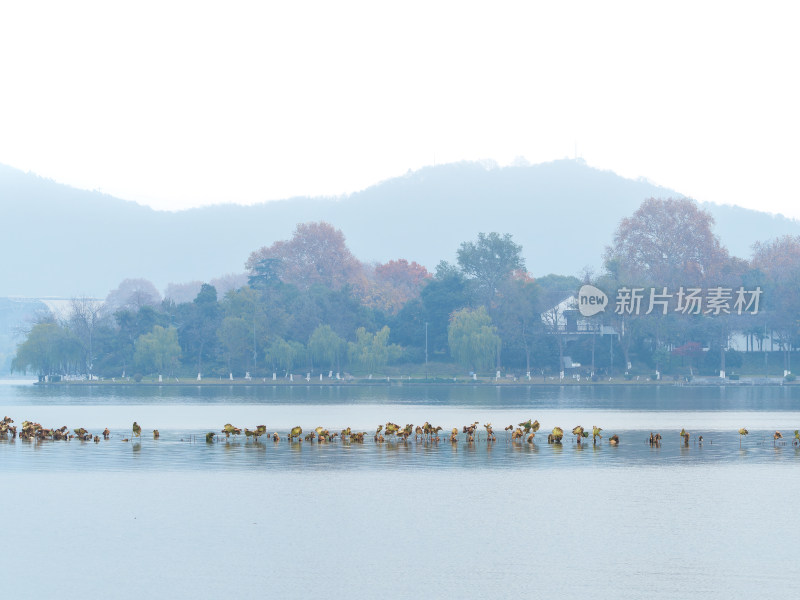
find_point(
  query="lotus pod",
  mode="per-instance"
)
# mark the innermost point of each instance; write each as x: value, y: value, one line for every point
x: 578, y: 430
x: 535, y: 426
x: 743, y: 431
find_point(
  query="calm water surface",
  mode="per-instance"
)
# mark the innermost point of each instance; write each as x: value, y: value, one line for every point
x: 190, y: 519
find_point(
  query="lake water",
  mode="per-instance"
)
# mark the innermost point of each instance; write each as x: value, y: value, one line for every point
x: 176, y: 517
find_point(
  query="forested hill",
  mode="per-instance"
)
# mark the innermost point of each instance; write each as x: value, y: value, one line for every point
x: 57, y: 240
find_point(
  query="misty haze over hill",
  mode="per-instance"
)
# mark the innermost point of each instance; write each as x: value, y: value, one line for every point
x: 61, y: 241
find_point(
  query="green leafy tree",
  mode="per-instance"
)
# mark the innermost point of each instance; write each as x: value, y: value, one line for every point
x: 131, y: 325
x: 234, y: 335
x: 370, y: 351
x: 264, y: 273
x: 200, y: 320
x: 158, y: 351
x: 49, y: 349
x: 473, y: 339
x: 325, y: 347
x: 323, y: 306
x: 247, y: 305
x: 109, y: 349
x: 517, y: 316
x: 408, y: 325
x: 286, y: 355
x: 490, y: 261
x: 443, y: 295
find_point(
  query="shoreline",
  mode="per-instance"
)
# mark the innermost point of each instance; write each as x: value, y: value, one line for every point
x: 710, y: 382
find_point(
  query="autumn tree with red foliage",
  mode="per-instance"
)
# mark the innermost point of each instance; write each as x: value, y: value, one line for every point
x: 667, y: 243
x: 777, y: 258
x: 408, y: 276
x: 316, y: 254
x: 395, y: 283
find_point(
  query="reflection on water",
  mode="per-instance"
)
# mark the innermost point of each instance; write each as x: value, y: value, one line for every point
x: 658, y: 398
x: 187, y: 518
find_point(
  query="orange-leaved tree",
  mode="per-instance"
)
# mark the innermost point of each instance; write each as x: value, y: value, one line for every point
x: 391, y: 285
x: 667, y: 242
x: 316, y: 254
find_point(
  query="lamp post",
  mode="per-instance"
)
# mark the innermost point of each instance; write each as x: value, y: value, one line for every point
x: 766, y: 356
x: 426, y: 351
x: 611, y: 355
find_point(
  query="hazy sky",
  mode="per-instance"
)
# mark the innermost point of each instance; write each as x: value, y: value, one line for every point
x: 177, y: 104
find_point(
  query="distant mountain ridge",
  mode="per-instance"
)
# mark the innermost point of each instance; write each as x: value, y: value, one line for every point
x: 62, y: 241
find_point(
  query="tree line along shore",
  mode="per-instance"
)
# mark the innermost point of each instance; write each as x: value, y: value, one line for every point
x: 308, y: 309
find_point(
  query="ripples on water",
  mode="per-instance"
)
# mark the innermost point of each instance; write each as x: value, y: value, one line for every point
x: 641, y: 532
x: 181, y: 518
